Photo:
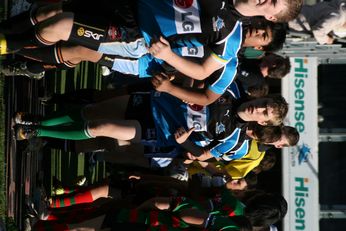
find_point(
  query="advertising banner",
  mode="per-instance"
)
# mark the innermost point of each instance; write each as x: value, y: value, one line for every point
x: 300, y: 163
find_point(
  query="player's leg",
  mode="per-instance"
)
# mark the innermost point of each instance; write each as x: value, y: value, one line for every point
x: 24, y: 21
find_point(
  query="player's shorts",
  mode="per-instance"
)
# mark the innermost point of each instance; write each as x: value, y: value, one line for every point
x: 137, y: 109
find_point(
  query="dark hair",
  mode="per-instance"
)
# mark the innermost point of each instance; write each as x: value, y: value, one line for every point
x: 267, y: 162
x: 280, y: 106
x: 242, y: 222
x: 278, y: 66
x: 251, y: 180
x: 265, y: 134
x: 265, y: 209
x: 292, y: 135
x: 279, y: 37
x: 258, y: 90
x: 278, y: 31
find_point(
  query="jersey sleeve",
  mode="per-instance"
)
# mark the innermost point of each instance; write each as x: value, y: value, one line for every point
x: 228, y: 148
x: 222, y: 79
x: 227, y: 48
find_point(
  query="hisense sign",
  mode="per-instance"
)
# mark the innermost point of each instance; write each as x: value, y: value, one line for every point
x: 300, y: 163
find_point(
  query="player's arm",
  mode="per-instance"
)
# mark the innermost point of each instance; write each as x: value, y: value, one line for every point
x: 195, y: 152
x: 162, y: 50
x: 190, y: 95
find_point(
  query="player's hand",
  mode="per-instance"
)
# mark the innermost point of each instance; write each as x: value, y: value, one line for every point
x: 161, y: 49
x: 181, y: 134
x: 190, y: 157
x: 161, y: 82
x: 134, y: 177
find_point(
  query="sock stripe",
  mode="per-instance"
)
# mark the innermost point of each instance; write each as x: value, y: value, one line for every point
x: 42, y: 40
x: 58, y: 54
x: 70, y: 64
x: 33, y: 18
x: 87, y: 131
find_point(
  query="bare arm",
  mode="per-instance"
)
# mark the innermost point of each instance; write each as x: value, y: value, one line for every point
x: 200, y: 154
x: 157, y: 203
x: 162, y: 50
x: 202, y: 97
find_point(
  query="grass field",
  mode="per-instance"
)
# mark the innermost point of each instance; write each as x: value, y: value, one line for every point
x: 2, y: 132
x: 2, y: 152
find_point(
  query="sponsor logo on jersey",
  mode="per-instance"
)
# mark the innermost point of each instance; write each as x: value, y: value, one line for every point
x: 218, y: 23
x: 88, y: 34
x: 107, y: 58
x: 137, y: 100
x: 245, y: 73
x: 114, y: 33
x: 183, y: 3
x: 197, y: 117
x: 151, y: 133
x: 220, y: 127
x: 192, y: 52
x: 186, y: 15
x: 227, y: 113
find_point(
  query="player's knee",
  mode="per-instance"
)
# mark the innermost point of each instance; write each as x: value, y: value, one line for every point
x: 59, y: 26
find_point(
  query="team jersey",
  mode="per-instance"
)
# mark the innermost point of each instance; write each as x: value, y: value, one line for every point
x: 222, y: 203
x: 191, y: 24
x: 249, y: 74
x: 217, y: 126
x: 221, y: 206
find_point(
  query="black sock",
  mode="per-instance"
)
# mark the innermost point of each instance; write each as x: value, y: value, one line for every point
x: 35, y: 67
x: 28, y: 39
x: 17, y: 24
x: 49, y: 55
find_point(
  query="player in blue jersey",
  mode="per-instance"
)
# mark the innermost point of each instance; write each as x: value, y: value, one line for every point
x: 249, y: 74
x: 203, y: 24
x: 225, y: 43
x: 152, y: 119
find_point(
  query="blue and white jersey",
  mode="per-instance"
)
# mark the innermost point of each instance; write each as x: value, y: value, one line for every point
x: 189, y: 24
x: 233, y: 147
x: 216, y: 126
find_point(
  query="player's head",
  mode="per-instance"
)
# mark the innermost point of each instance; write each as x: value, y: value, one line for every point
x: 264, y: 35
x: 290, y: 137
x: 259, y: 90
x: 265, y: 134
x: 266, y: 163
x: 275, y: 66
x: 265, y: 209
x: 268, y: 110
x: 248, y: 182
x: 272, y: 10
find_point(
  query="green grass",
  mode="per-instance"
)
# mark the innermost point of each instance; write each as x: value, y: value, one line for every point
x: 2, y: 134
x: 2, y: 152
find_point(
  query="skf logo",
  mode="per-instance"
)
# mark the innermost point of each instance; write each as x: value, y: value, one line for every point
x: 88, y: 34
x: 80, y: 31
x: 183, y: 3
